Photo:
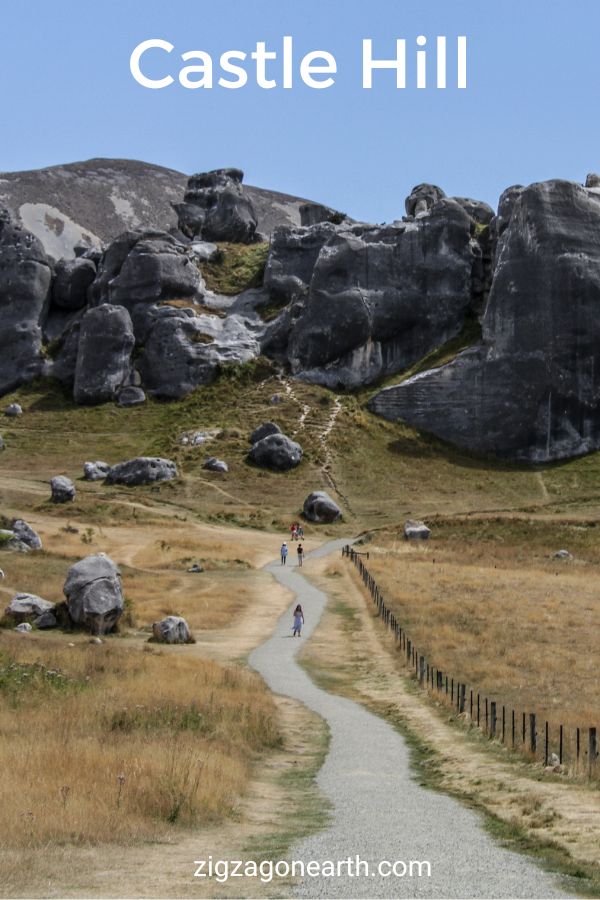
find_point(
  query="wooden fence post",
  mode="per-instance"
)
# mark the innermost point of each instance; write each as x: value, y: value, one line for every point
x: 513, y: 729
x: 560, y: 745
x: 503, y: 723
x: 493, y: 719
x: 478, y: 711
x: 593, y: 748
x: 578, y: 743
x: 471, y: 705
x: 532, y: 733
x: 421, y: 670
x: 546, y: 741
x: 524, y: 730
x: 461, y: 703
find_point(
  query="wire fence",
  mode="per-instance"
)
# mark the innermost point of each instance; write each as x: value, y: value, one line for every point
x: 538, y: 739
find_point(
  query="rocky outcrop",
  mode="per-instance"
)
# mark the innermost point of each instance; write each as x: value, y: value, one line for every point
x: 131, y: 396
x: 94, y: 594
x: 184, y: 349
x: 363, y: 302
x: 416, y: 531
x: 215, y: 208
x: 63, y: 489
x: 73, y: 278
x: 104, y: 353
x: 26, y: 534
x: 172, y: 630
x: 277, y: 452
x: 215, y: 465
x: 142, y: 470
x: 531, y: 389
x: 145, y: 267
x: 320, y: 508
x: 25, y: 278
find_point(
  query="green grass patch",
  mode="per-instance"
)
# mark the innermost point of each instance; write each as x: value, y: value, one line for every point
x: 236, y: 268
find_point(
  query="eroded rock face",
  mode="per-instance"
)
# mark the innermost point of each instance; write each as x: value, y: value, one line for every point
x: 276, y: 451
x: 184, y: 349
x: 94, y: 594
x: 364, y: 302
x: 320, y: 508
x: 215, y: 208
x: 25, y: 278
x: 145, y: 267
x: 142, y: 470
x: 73, y: 278
x: 104, y: 353
x: 131, y: 395
x: 531, y: 389
x: 28, y: 606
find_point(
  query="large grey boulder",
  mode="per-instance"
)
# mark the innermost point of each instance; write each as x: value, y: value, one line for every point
x: 63, y: 489
x: 94, y: 594
x: 276, y: 451
x: 363, y: 302
x: 95, y: 471
x: 28, y: 606
x: 25, y: 279
x: 215, y: 465
x: 215, y: 208
x: 142, y: 470
x: 25, y: 533
x: 184, y: 350
x: 422, y: 199
x: 264, y: 431
x: 531, y: 389
x: 73, y: 278
x: 13, y: 410
x: 320, y: 508
x: 45, y: 621
x: 172, y: 630
x: 145, y: 267
x: 104, y: 353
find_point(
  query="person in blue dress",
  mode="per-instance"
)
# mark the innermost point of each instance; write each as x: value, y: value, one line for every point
x: 298, y: 620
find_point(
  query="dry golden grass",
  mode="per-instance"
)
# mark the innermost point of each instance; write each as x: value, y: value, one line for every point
x: 485, y: 602
x: 104, y: 744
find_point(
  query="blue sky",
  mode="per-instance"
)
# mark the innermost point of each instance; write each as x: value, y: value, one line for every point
x: 530, y: 111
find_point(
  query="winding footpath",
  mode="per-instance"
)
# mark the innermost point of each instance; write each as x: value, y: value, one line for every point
x: 379, y: 812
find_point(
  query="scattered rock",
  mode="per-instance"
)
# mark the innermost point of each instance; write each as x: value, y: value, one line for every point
x: 27, y: 606
x: 319, y: 507
x: 45, y: 621
x: 215, y: 208
x: 131, y: 396
x: 142, y: 470
x: 94, y: 594
x: 63, y: 489
x: 13, y: 410
x: 277, y: 451
x: 196, y: 569
x: 172, y: 630
x: 95, y: 640
x: 215, y: 465
x: 104, y: 354
x: 24, y: 628
x: 416, y: 531
x: 264, y: 431
x: 196, y: 438
x: 553, y: 760
x: 95, y: 471
x: 276, y: 398
x: 204, y: 250
x: 25, y: 533
x: 562, y: 554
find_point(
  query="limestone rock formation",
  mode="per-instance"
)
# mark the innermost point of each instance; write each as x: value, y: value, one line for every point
x: 73, y: 278
x: 320, y: 508
x: 172, y: 630
x: 63, y: 489
x: 104, y: 352
x: 215, y: 208
x: 25, y: 278
x: 95, y: 471
x: 142, y: 470
x: 416, y: 531
x: 531, y: 389
x: 94, y: 594
x: 28, y: 606
x: 25, y: 533
x: 131, y: 395
x: 277, y: 452
x: 264, y: 431
x: 13, y: 410
x: 215, y: 465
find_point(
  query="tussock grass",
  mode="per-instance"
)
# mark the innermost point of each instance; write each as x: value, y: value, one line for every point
x: 485, y: 601
x: 236, y: 268
x: 99, y: 744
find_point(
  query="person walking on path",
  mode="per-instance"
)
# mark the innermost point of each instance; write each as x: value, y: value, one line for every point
x: 300, y: 532
x: 298, y: 621
x: 284, y: 553
x: 293, y: 531
x: 300, y: 554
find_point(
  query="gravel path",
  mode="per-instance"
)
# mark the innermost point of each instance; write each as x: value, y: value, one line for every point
x: 378, y: 811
